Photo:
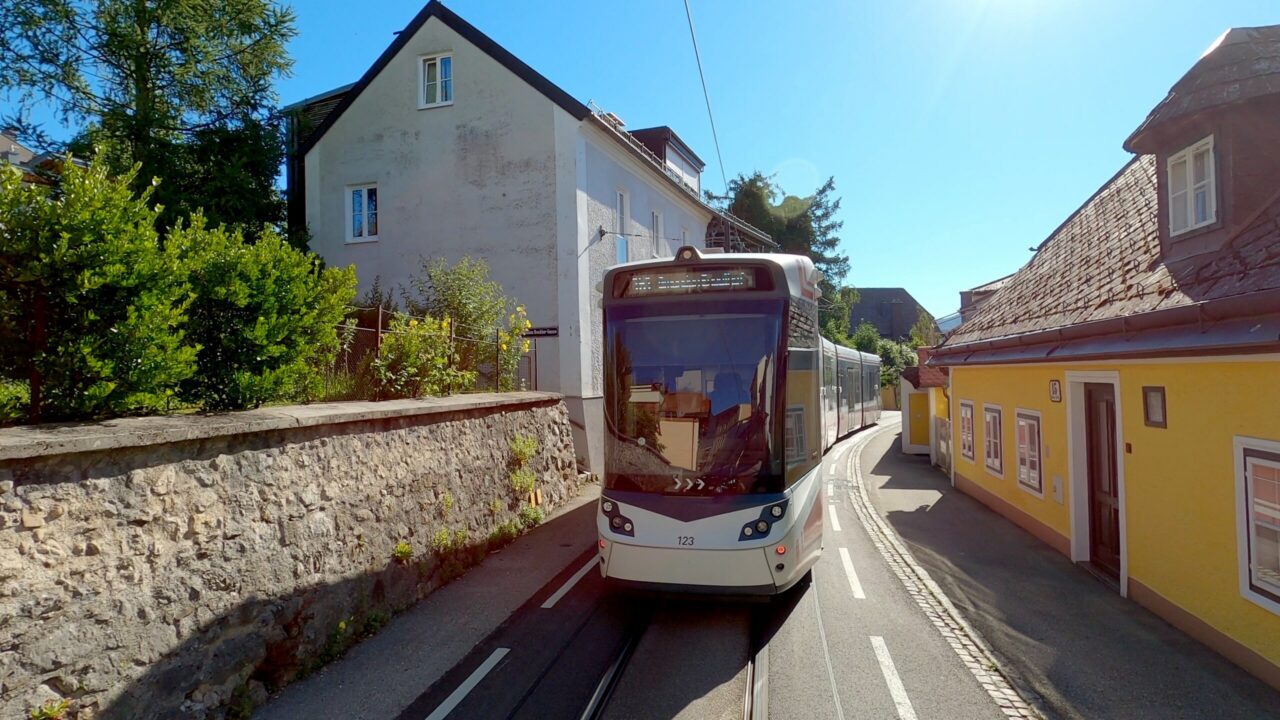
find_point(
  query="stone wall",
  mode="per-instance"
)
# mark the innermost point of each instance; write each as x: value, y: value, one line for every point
x: 181, y: 567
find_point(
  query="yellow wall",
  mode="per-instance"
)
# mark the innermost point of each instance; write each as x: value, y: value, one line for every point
x: 940, y: 404
x: 1179, y: 482
x: 918, y: 406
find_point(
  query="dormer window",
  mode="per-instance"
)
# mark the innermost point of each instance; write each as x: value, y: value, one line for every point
x: 1193, y: 196
x: 435, y: 81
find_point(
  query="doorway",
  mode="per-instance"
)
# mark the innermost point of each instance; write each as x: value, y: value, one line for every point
x: 1102, y: 461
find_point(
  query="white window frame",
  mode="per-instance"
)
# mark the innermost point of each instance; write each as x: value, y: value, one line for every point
x: 1029, y: 478
x: 349, y: 211
x: 1244, y: 519
x: 967, y: 447
x: 1210, y: 184
x: 989, y: 442
x: 438, y: 59
x: 620, y: 211
x: 655, y: 231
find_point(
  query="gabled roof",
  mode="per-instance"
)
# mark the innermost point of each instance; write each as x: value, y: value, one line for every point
x: 1101, y: 274
x: 1243, y: 63
x: 468, y: 31
x: 323, y: 110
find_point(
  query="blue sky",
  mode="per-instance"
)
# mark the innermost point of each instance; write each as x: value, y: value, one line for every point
x: 960, y: 132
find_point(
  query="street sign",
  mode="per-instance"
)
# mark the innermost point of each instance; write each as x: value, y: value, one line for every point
x: 542, y: 332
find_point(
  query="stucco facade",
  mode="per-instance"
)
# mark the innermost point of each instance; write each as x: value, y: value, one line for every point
x: 508, y: 172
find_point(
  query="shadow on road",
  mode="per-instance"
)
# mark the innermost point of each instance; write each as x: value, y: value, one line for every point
x: 263, y: 644
x: 1087, y: 651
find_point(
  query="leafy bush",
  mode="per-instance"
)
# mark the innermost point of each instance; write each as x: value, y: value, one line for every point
x: 464, y: 294
x: 415, y: 359
x: 91, y: 306
x: 264, y: 314
x: 13, y: 402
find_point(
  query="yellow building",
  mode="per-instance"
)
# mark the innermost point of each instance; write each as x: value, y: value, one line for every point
x: 1119, y: 396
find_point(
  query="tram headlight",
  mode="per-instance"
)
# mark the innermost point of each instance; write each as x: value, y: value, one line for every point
x: 627, y: 527
x: 616, y: 523
x: 607, y: 506
x: 776, y: 511
x: 748, y: 531
x: 762, y: 527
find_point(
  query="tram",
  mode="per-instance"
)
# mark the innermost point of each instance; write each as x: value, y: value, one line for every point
x: 720, y: 400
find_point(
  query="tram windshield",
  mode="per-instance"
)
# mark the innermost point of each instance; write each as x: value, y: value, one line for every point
x: 690, y: 403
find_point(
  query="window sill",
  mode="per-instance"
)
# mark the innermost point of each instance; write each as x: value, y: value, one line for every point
x: 1194, y: 229
x: 994, y: 472
x: 1260, y: 600
x: 435, y: 105
x: 1032, y: 491
x: 361, y: 241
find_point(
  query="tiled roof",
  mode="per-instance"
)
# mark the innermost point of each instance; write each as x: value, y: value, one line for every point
x: 1104, y: 263
x: 1243, y: 63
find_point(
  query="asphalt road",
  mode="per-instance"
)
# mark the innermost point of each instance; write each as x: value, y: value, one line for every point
x: 852, y: 644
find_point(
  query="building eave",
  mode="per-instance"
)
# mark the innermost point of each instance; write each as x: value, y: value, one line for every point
x: 1240, y: 323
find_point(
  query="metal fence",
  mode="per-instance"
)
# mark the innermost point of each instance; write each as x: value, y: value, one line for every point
x: 366, y: 328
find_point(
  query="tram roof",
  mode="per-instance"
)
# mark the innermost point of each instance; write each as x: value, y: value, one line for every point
x: 802, y: 276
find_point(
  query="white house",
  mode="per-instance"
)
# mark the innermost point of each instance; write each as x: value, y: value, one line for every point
x: 449, y: 145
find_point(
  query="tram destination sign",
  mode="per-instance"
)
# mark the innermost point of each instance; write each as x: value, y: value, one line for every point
x: 687, y: 280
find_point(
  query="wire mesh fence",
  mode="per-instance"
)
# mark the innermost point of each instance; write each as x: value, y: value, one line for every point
x: 480, y: 354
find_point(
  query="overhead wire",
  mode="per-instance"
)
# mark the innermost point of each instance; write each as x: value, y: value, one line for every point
x: 706, y: 95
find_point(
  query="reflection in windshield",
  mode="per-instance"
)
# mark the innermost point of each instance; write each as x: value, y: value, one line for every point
x: 690, y: 402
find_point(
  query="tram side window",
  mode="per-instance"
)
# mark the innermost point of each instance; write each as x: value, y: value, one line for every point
x: 803, y: 383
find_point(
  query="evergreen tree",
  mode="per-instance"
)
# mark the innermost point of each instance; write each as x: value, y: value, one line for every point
x: 182, y: 89
x: 801, y: 226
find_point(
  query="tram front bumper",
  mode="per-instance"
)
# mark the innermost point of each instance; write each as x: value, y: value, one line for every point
x: 728, y: 572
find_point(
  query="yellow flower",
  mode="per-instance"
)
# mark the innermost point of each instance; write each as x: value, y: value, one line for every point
x: 520, y: 309
x: 525, y: 346
x: 413, y: 323
x: 503, y: 346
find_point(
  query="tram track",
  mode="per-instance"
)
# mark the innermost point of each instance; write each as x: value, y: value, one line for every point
x: 755, y: 704
x: 603, y: 693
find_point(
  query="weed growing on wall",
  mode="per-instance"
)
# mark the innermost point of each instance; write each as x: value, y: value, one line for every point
x: 523, y: 481
x: 531, y: 516
x: 523, y: 448
x: 403, y: 552
x: 51, y: 710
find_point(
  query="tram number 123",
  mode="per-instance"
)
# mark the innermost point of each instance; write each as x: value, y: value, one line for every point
x: 685, y: 539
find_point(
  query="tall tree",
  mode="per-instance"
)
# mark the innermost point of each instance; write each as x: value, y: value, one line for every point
x: 156, y: 83
x: 803, y: 226
x: 925, y: 332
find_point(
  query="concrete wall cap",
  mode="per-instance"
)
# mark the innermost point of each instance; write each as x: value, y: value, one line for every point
x: 69, y: 438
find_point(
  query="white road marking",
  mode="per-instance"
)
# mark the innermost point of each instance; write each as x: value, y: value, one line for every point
x: 835, y: 520
x: 468, y: 685
x: 853, y: 576
x: 568, y: 584
x: 831, y: 491
x: 899, y: 693
x: 826, y: 652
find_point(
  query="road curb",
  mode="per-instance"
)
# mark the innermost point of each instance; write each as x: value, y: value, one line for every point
x: 976, y: 655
